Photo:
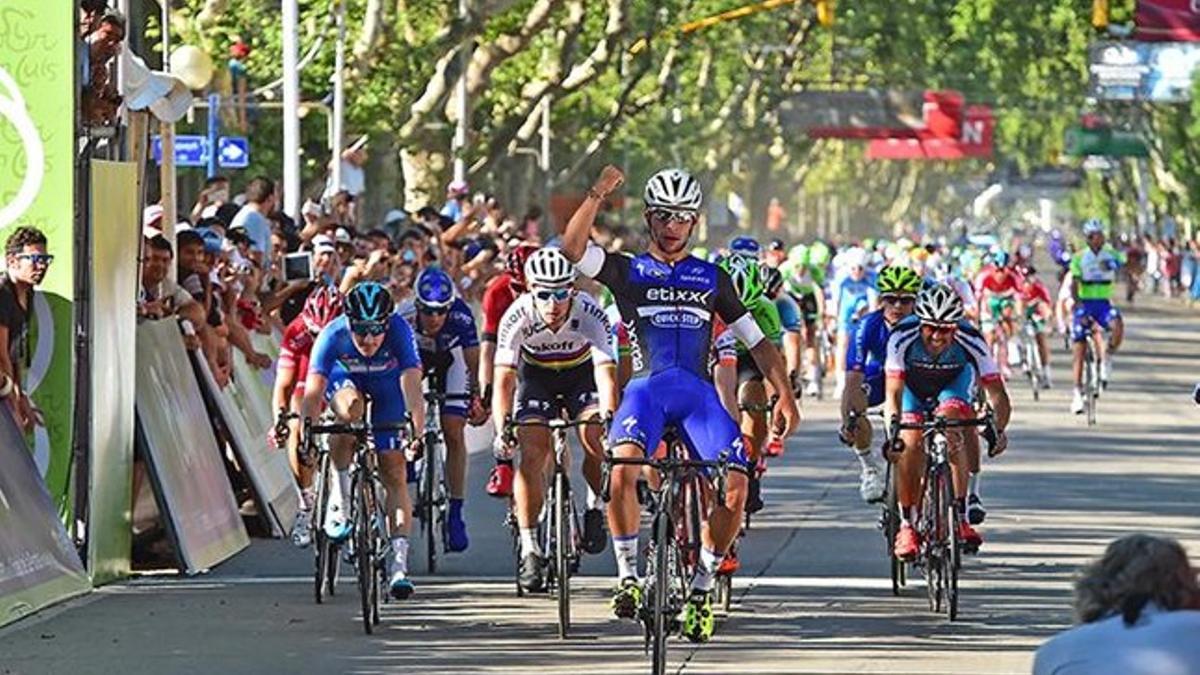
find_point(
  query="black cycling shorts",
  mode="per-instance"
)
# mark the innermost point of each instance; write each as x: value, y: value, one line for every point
x: 545, y: 393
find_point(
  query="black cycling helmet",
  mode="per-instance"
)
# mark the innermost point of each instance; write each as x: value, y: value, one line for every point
x: 369, y: 302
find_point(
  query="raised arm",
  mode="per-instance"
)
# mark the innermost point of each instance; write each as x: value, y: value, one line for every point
x: 577, y: 231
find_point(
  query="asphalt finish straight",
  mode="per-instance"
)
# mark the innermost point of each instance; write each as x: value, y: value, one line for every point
x: 813, y: 595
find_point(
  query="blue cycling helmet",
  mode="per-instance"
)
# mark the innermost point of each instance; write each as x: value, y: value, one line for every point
x: 746, y: 246
x: 1093, y: 226
x: 369, y: 302
x: 1000, y: 258
x: 435, y: 290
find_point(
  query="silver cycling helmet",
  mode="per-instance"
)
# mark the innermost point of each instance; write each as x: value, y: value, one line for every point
x: 673, y: 189
x: 940, y: 305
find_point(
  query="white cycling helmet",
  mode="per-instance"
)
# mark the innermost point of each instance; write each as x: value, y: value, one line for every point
x: 855, y: 257
x: 1093, y: 226
x: 673, y: 189
x: 549, y: 268
x: 939, y: 304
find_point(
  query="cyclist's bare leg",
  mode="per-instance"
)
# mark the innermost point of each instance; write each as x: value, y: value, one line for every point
x: 856, y: 402
x: 1043, y: 348
x: 909, y: 469
x: 453, y: 429
x: 754, y: 424
x: 1077, y: 350
x: 623, y: 511
x: 529, y: 489
x: 348, y: 407
x: 591, y: 438
x: 394, y: 474
x: 960, y: 462
x: 1099, y: 343
x: 1117, y: 325
x: 726, y: 519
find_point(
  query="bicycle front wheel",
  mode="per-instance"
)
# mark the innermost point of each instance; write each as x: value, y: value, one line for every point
x: 891, y: 525
x: 661, y: 611
x: 323, y: 550
x: 364, y: 552
x: 952, y: 554
x: 562, y: 549
x: 429, y: 505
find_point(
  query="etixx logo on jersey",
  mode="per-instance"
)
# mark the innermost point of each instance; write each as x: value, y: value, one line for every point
x: 678, y: 295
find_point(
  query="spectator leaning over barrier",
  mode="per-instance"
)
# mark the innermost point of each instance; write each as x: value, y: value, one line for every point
x: 159, y: 297
x: 1137, y: 611
x: 26, y: 263
x: 253, y: 216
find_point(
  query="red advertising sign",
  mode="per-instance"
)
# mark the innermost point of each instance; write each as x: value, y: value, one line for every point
x: 965, y: 137
x: 1167, y: 21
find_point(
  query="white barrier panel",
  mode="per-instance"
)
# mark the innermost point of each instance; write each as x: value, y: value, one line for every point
x: 38, y: 562
x: 185, y: 464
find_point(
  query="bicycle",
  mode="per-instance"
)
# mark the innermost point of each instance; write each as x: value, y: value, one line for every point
x: 940, y: 556
x: 369, y: 542
x: 1091, y: 375
x: 676, y: 507
x: 433, y: 501
x: 1031, y: 358
x: 326, y: 563
x: 559, y: 521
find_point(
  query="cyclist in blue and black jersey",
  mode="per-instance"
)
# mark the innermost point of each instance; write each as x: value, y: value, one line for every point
x: 668, y: 300
x: 898, y: 287
x: 933, y: 361
x: 449, y: 346
x: 370, y: 351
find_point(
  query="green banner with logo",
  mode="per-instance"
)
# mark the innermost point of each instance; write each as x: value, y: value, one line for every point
x: 37, y: 188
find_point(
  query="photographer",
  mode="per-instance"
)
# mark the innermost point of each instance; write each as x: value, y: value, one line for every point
x: 1137, y: 608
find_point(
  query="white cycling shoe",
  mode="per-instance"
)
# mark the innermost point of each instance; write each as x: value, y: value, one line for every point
x: 337, y: 525
x: 302, y: 530
x: 1077, y: 402
x: 871, y: 486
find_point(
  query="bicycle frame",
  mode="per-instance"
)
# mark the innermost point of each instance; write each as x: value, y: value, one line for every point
x: 560, y: 536
x: 433, y: 493
x: 669, y: 555
x: 941, y: 551
x: 369, y: 539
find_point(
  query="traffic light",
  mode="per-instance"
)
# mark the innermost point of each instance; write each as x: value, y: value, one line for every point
x: 1099, y: 14
x: 825, y: 12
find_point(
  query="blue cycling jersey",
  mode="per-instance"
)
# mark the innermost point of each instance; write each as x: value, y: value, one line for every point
x: 789, y: 313
x: 458, y: 331
x: 868, y: 346
x: 850, y: 294
x: 335, y: 357
x: 925, y: 374
x: 667, y: 309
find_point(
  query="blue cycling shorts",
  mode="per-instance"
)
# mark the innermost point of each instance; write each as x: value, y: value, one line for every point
x: 957, y: 395
x: 387, y: 404
x: 682, y: 399
x: 1087, y: 312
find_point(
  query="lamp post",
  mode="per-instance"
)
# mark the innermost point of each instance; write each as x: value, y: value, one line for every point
x: 291, y: 118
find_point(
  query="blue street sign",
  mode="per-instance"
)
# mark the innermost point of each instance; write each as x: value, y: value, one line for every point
x: 233, y: 152
x: 189, y: 150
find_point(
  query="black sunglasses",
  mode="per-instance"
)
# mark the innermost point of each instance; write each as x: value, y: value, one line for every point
x: 897, y: 299
x: 372, y: 328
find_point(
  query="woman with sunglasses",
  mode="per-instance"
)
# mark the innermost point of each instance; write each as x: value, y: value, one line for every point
x: 933, y: 359
x: 555, y: 341
x: 449, y: 347
x: 898, y: 287
x: 370, y: 350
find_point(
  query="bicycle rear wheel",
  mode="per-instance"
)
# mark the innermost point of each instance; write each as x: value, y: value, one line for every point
x: 1035, y: 367
x: 364, y: 552
x: 1091, y: 388
x: 562, y: 549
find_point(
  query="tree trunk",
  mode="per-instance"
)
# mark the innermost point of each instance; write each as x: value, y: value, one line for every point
x: 421, y: 168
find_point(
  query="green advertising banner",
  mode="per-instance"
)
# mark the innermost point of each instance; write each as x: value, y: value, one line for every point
x: 37, y: 188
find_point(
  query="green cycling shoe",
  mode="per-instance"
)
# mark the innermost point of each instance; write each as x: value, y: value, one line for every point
x: 698, y: 621
x: 627, y: 599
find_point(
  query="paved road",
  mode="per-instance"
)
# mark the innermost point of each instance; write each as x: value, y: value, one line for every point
x: 813, y: 596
